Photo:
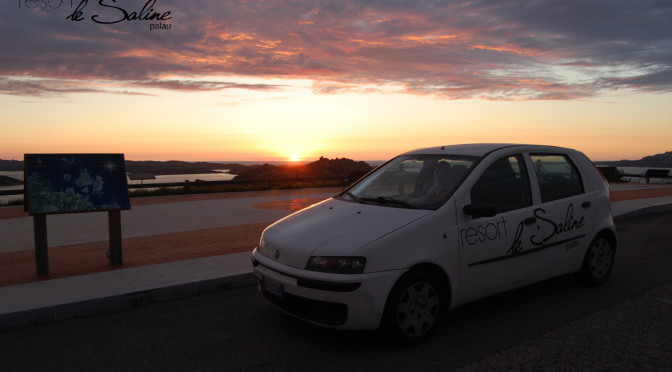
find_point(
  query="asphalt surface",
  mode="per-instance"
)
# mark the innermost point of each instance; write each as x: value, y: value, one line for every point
x: 633, y: 328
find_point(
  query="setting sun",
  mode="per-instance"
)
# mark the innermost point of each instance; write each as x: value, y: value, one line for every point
x: 294, y: 157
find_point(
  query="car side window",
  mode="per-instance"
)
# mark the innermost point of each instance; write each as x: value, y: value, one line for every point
x: 505, y: 184
x: 558, y: 177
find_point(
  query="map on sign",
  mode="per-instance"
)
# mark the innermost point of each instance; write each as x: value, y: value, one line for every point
x: 67, y: 183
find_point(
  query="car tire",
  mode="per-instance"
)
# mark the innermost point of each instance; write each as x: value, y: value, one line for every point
x: 598, y: 261
x: 414, y: 307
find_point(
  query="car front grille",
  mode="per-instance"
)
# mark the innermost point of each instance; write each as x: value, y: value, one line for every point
x: 329, y: 313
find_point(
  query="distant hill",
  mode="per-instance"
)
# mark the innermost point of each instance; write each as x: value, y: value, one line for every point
x: 11, y: 165
x: 323, y: 167
x: 154, y: 167
x: 178, y: 167
x: 654, y: 161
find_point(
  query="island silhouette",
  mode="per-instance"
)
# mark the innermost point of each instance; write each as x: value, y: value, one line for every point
x: 322, y: 167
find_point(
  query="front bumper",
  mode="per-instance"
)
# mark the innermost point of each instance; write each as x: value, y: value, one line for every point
x: 346, y: 301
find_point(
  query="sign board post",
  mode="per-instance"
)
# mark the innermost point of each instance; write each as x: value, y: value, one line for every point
x: 41, y: 251
x: 114, y: 225
x: 75, y: 183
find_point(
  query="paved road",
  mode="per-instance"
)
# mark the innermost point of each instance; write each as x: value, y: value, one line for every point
x: 16, y: 234
x: 558, y: 325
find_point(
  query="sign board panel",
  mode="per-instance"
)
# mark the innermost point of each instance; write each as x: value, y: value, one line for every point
x: 70, y: 183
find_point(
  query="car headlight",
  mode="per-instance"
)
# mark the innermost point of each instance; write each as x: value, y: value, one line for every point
x: 337, y: 265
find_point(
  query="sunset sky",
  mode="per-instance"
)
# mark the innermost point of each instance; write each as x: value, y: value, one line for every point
x: 367, y: 79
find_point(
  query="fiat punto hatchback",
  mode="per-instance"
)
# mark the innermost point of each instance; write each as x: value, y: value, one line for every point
x: 435, y: 228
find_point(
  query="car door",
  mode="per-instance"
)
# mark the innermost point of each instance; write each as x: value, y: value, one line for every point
x: 494, y: 230
x: 565, y: 215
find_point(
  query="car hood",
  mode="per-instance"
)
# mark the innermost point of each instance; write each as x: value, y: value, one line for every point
x: 331, y: 228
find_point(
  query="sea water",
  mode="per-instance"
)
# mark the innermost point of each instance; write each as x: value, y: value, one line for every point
x: 171, y: 178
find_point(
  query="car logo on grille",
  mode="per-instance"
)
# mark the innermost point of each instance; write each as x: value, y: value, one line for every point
x: 277, y: 253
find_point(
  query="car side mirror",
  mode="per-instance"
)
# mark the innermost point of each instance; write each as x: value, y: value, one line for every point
x: 480, y: 210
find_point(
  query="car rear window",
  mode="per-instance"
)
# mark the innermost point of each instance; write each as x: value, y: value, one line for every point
x: 558, y: 177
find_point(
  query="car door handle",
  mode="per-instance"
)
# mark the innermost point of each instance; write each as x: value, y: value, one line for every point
x: 530, y: 220
x: 585, y: 205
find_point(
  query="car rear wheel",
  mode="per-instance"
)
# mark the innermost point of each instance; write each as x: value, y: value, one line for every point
x: 414, y: 308
x: 599, y: 261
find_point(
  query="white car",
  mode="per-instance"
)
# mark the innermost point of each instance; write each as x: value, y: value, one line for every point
x: 435, y: 228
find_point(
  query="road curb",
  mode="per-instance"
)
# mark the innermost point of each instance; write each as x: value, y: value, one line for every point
x: 82, y: 309
x: 655, y: 209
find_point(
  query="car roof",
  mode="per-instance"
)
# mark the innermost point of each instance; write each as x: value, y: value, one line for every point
x: 482, y: 149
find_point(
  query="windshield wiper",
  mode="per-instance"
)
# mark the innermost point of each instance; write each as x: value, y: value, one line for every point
x: 379, y: 199
x: 387, y: 200
x: 354, y: 198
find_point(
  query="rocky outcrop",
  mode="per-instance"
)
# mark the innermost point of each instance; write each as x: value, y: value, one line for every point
x: 322, y: 168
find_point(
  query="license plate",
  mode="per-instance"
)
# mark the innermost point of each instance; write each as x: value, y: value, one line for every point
x: 271, y: 286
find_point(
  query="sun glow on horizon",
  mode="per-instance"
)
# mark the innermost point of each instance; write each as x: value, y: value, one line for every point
x: 297, y: 125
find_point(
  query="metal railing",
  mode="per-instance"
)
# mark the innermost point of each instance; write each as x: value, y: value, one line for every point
x: 612, y: 173
x: 258, y: 184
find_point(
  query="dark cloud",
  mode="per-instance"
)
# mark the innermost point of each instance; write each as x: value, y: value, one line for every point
x: 190, y: 85
x: 513, y: 50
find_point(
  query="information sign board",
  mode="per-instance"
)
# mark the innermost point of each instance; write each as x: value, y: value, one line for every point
x: 71, y: 183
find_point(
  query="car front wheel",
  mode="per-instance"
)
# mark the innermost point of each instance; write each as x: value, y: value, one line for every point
x: 414, y: 307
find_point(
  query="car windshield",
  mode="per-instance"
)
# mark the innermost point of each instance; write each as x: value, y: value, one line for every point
x: 421, y: 181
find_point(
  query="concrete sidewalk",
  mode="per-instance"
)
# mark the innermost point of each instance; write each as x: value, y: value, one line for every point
x: 185, y: 227
x: 173, y: 247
